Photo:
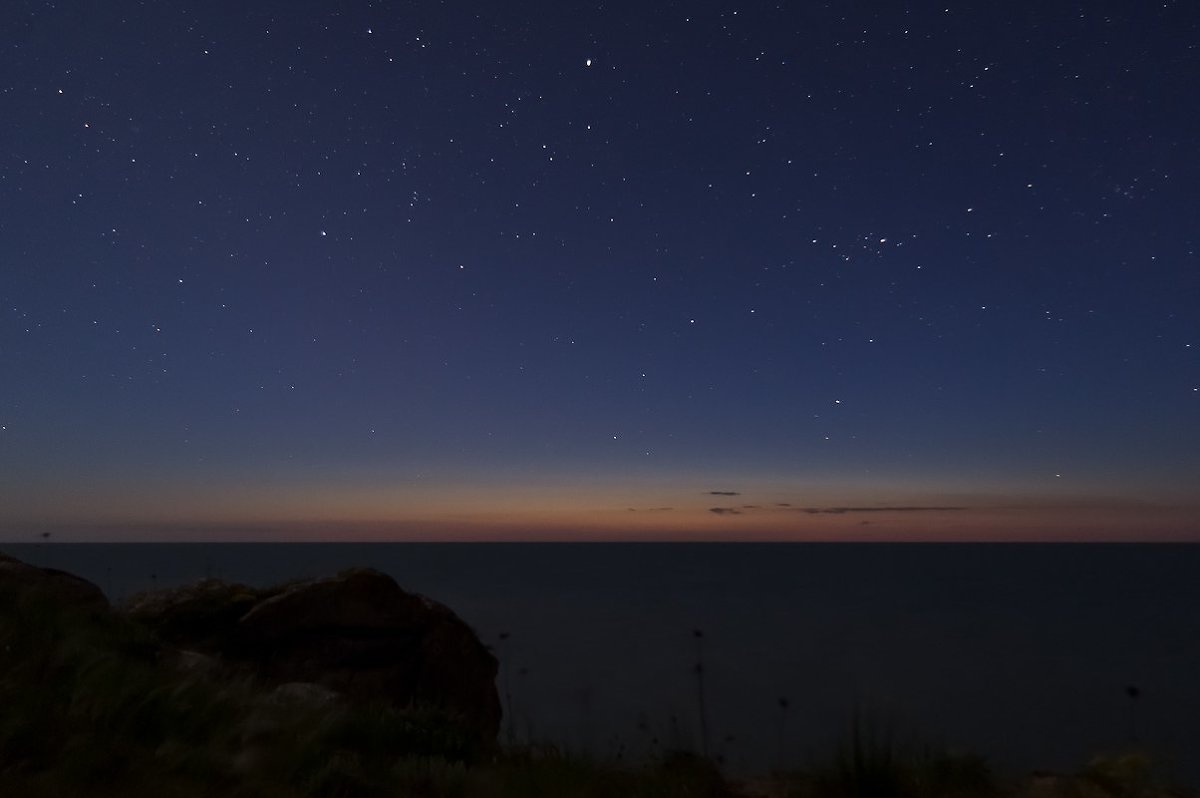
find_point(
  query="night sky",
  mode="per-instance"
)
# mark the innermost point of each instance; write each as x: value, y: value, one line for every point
x: 339, y: 270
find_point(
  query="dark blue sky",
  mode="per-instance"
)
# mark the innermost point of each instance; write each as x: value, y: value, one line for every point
x: 445, y: 268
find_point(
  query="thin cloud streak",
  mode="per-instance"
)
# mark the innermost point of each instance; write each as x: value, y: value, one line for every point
x: 900, y: 509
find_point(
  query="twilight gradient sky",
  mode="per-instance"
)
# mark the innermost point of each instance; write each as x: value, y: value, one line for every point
x: 537, y: 270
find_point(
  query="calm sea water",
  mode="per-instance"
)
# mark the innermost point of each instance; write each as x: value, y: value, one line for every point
x: 1021, y: 652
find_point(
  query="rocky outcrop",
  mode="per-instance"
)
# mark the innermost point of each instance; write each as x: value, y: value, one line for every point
x: 362, y: 635
x: 197, y: 616
x: 23, y: 583
x: 357, y: 633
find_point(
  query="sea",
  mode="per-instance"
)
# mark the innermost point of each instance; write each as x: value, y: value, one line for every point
x: 1036, y: 656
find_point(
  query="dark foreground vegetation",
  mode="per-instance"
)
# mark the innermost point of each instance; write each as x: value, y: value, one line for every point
x: 98, y: 702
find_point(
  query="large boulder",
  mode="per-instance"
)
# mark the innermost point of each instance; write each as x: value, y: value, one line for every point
x: 357, y: 633
x: 230, y: 683
x: 25, y: 585
x: 362, y: 635
x: 196, y: 616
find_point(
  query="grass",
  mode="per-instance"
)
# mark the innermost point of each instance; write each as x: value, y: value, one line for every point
x: 871, y: 762
x: 148, y: 735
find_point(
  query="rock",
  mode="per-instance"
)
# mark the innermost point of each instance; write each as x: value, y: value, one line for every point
x: 193, y: 663
x: 305, y: 694
x: 198, y: 616
x: 232, y: 679
x: 357, y: 634
x: 22, y: 583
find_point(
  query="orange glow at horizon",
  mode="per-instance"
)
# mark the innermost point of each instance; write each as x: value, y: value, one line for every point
x: 564, y: 520
x: 694, y: 506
